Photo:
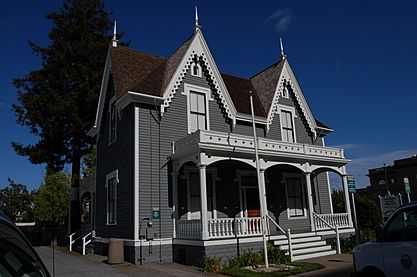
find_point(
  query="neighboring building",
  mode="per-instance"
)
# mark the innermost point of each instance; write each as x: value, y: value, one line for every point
x: 176, y: 175
x: 391, y: 179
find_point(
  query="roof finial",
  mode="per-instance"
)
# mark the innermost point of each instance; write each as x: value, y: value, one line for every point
x: 114, y: 40
x: 197, y: 26
x: 283, y: 56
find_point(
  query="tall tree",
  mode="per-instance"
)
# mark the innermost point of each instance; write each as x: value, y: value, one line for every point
x: 58, y: 102
x: 51, y: 202
x: 16, y: 201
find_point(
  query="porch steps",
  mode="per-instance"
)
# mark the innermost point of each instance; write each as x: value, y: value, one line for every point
x: 305, y: 246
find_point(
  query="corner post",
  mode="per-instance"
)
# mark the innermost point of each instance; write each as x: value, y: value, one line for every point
x: 174, y: 175
x: 347, y: 202
x: 203, y: 199
x: 310, y: 200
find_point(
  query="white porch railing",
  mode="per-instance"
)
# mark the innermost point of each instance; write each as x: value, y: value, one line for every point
x: 230, y: 227
x: 220, y: 228
x: 189, y: 229
x: 334, y: 220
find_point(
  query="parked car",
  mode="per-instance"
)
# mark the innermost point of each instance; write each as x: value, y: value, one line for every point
x: 17, y: 256
x: 394, y: 252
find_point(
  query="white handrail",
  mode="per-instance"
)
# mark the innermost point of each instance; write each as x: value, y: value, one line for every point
x: 85, y: 243
x: 288, y: 235
x: 336, y: 228
x: 71, y: 242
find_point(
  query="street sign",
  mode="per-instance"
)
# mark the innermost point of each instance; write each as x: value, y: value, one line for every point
x: 389, y: 204
x: 156, y: 214
x: 406, y: 185
x: 351, y: 183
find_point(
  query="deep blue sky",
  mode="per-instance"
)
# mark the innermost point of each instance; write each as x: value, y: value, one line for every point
x: 356, y: 62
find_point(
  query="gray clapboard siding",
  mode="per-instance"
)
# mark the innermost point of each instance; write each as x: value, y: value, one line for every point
x: 110, y: 159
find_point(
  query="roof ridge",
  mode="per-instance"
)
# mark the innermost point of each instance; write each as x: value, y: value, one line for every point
x: 142, y: 52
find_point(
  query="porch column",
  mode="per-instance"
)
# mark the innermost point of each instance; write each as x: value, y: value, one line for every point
x: 174, y: 203
x: 263, y: 203
x: 347, y: 202
x: 203, y: 199
x: 310, y: 200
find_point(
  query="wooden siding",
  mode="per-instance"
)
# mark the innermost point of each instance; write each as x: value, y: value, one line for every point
x: 110, y: 159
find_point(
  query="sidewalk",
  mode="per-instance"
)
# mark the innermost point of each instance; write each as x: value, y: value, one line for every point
x: 73, y: 264
x: 335, y: 265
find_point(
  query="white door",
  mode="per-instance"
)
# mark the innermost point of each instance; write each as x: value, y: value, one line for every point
x: 400, y: 244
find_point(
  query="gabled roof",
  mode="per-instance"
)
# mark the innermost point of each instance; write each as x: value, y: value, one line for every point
x: 148, y: 74
x: 136, y: 71
x: 239, y: 91
x: 266, y: 82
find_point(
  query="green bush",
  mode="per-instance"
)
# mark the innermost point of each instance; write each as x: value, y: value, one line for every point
x: 276, y: 255
x: 247, y: 258
x: 211, y: 264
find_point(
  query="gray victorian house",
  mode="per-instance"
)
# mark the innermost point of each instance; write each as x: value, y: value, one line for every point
x: 176, y: 176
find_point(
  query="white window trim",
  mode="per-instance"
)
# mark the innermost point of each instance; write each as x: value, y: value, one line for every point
x: 199, y: 69
x: 186, y: 177
x: 111, y: 102
x: 111, y: 175
x: 239, y: 174
x: 294, y: 115
x: 207, y: 92
x: 303, y: 184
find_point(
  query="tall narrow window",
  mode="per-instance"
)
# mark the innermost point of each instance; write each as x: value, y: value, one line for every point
x: 196, y: 70
x: 113, y: 121
x: 295, y: 197
x: 111, y: 186
x: 287, y: 126
x: 198, y: 115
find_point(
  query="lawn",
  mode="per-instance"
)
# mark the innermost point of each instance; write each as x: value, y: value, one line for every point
x: 297, y: 269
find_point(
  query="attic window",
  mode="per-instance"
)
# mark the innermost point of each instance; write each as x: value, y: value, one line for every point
x: 285, y: 92
x: 196, y: 70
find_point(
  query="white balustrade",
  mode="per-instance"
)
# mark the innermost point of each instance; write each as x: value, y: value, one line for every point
x: 220, y: 228
x: 212, y: 138
x: 189, y: 229
x: 335, y: 220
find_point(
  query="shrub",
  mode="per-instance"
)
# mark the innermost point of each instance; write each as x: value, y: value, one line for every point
x: 247, y: 258
x: 211, y: 264
x: 276, y: 255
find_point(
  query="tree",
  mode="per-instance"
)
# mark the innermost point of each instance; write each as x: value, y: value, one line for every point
x: 88, y: 163
x: 16, y: 202
x: 51, y: 202
x: 338, y: 201
x: 58, y: 102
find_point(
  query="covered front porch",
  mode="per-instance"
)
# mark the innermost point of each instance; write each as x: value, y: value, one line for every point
x: 216, y: 191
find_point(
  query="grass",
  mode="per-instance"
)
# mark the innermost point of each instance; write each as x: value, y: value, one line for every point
x: 299, y: 268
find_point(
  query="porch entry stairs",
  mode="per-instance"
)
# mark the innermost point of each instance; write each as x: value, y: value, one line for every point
x: 303, y: 246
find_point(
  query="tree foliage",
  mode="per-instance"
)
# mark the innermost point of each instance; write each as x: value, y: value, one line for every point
x: 88, y: 165
x: 58, y: 101
x: 16, y: 202
x: 51, y: 202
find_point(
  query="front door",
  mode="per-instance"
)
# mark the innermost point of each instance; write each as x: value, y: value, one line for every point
x: 251, y: 202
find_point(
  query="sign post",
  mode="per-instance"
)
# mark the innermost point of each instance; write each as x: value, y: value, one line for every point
x: 407, y: 188
x: 352, y: 191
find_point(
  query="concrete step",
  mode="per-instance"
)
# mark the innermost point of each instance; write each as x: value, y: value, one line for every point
x: 309, y: 250
x: 297, y: 240
x: 304, y: 245
x: 299, y: 235
x: 313, y: 255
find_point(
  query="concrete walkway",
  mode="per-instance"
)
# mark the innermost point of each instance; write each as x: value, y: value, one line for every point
x: 73, y: 264
x: 335, y: 265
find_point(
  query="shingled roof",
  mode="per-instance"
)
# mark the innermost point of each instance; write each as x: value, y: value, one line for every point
x: 150, y: 74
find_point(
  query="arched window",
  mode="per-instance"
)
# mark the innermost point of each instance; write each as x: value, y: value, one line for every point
x: 196, y: 70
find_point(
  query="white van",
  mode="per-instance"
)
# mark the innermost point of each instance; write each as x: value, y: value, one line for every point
x: 394, y: 252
